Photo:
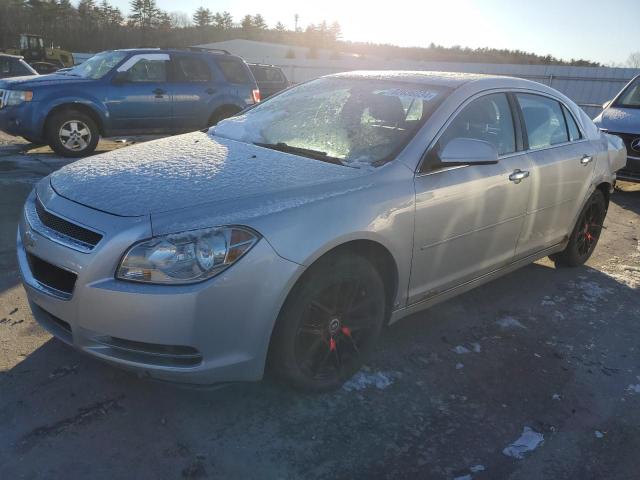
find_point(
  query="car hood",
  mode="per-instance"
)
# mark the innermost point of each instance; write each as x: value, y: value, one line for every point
x: 186, y: 171
x: 619, y: 120
x: 34, y: 81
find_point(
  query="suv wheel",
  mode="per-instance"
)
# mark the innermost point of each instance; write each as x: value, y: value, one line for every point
x: 72, y: 134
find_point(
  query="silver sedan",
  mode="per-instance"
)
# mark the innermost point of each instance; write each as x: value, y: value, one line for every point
x: 288, y: 236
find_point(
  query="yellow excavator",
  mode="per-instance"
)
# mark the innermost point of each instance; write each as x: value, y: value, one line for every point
x: 35, y: 53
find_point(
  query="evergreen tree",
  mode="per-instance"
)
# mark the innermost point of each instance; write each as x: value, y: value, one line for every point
x: 202, y: 17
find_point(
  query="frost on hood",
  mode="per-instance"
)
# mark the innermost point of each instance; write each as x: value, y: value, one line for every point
x: 187, y: 170
x: 528, y: 441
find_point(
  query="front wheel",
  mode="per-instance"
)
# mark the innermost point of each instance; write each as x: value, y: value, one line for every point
x: 329, y: 324
x: 586, y: 233
x: 72, y: 134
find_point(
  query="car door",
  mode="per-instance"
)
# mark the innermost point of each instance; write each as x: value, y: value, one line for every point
x: 468, y: 218
x: 195, y: 92
x: 562, y: 165
x: 139, y: 97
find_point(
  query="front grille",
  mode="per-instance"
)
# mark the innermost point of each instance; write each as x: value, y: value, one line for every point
x: 50, y: 276
x: 150, y: 353
x: 66, y: 228
x: 627, y: 138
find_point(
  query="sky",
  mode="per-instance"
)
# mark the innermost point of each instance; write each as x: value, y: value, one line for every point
x: 597, y: 30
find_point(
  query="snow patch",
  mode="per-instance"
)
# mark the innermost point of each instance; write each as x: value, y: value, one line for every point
x: 634, y: 388
x: 459, y: 349
x: 459, y: 366
x: 363, y: 380
x: 528, y: 441
x: 592, y: 292
x: 599, y: 434
x: 509, y: 322
x: 477, y: 468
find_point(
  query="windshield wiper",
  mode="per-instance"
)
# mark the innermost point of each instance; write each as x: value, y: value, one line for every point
x: 305, y: 152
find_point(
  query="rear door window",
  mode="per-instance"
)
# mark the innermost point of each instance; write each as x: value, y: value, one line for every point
x: 5, y: 66
x: 543, y: 119
x: 234, y: 70
x: 191, y: 69
x: 572, y: 126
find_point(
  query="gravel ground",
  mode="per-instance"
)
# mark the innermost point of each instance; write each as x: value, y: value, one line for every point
x: 534, y: 376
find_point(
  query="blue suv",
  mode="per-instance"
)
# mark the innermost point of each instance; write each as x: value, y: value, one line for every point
x: 126, y: 92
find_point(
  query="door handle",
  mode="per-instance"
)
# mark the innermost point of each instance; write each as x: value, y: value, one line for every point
x: 518, y: 175
x: 210, y: 90
x: 586, y: 159
x: 159, y: 92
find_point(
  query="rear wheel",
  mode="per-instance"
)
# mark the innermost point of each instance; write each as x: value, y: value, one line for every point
x: 586, y: 233
x: 329, y: 324
x: 72, y: 134
x: 221, y: 114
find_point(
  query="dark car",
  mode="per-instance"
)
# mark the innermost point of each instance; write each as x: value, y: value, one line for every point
x: 126, y: 92
x: 14, y: 66
x: 271, y: 79
x: 43, y: 68
x: 621, y: 117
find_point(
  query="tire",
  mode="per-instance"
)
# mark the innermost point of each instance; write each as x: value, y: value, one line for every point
x: 221, y: 114
x: 329, y: 324
x: 586, y: 233
x: 79, y: 130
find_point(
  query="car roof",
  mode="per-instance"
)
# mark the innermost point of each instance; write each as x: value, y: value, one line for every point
x: 251, y: 64
x: 193, y: 50
x: 19, y: 57
x: 451, y: 80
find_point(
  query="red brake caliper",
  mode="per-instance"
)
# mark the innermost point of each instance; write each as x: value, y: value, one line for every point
x: 346, y: 331
x: 332, y: 345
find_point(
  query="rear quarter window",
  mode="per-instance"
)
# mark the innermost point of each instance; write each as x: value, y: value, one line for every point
x: 234, y: 70
x: 267, y: 74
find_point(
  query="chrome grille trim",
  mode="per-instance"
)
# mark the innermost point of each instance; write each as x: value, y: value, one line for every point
x: 32, y: 218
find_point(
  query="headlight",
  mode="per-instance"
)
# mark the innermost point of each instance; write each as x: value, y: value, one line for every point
x: 16, y: 97
x: 187, y: 257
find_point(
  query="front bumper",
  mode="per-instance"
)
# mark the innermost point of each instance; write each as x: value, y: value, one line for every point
x: 22, y: 120
x: 631, y: 172
x: 214, y: 331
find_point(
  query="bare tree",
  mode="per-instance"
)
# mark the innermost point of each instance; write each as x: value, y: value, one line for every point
x: 634, y: 60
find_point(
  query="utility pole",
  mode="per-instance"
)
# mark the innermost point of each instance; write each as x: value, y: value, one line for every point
x: 296, y: 17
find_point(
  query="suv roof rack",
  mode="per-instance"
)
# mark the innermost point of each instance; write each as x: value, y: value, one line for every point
x: 207, y: 49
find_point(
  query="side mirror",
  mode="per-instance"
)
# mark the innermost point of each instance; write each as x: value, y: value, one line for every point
x: 606, y: 104
x: 120, y: 77
x: 468, y: 151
